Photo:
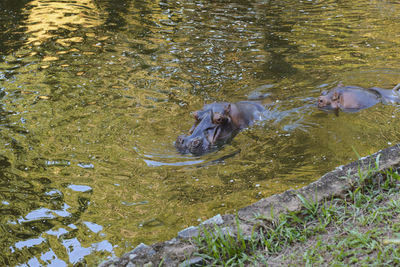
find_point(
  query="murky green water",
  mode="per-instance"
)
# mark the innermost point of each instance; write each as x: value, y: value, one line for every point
x: 93, y: 94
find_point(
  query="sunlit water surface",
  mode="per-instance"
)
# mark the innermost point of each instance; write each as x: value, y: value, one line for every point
x: 93, y: 94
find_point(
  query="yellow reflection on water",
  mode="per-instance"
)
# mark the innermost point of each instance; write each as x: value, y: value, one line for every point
x: 46, y: 17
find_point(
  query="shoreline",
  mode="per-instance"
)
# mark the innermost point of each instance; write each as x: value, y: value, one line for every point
x: 180, y: 251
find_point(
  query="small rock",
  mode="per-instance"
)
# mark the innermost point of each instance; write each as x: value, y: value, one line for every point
x: 149, y: 264
x: 143, y: 249
x: 189, y: 232
x: 217, y: 219
x: 198, y: 261
x: 130, y: 264
x: 173, y: 241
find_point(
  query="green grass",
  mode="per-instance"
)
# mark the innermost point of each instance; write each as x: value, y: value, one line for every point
x: 361, y: 229
x: 221, y: 248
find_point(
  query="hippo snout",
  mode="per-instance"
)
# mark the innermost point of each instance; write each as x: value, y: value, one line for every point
x: 321, y: 102
x: 195, y: 145
x: 180, y: 141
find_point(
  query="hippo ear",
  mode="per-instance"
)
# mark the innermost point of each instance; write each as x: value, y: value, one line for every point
x: 340, y: 84
x: 195, y: 115
x: 324, y: 93
x: 227, y: 109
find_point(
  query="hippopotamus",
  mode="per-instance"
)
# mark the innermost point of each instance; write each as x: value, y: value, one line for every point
x: 355, y: 98
x: 216, y: 123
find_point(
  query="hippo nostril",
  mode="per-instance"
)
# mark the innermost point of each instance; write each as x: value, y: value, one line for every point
x: 180, y: 140
x: 196, y: 142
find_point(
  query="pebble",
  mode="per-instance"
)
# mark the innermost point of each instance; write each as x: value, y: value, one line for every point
x: 217, y: 219
x: 189, y: 232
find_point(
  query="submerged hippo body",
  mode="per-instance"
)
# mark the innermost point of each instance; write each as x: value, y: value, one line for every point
x: 354, y: 98
x: 388, y: 96
x: 216, y: 123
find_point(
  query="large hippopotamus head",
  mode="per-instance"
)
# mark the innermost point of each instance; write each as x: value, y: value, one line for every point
x: 216, y: 123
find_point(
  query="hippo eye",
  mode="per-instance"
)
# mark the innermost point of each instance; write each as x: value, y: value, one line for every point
x: 219, y: 118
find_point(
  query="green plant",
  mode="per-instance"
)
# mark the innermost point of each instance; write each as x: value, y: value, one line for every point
x: 311, y: 206
x: 221, y: 247
x: 348, y: 231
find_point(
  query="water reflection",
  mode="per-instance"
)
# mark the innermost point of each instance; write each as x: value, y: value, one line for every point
x: 11, y: 36
x: 47, y: 19
x: 94, y: 93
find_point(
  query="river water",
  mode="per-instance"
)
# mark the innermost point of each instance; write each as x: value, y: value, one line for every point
x: 93, y: 94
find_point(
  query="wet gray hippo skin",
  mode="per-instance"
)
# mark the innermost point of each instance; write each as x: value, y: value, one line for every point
x: 216, y: 123
x: 354, y: 98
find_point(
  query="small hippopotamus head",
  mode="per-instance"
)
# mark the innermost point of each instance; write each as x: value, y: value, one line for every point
x: 351, y: 98
x: 329, y: 100
x: 212, y: 126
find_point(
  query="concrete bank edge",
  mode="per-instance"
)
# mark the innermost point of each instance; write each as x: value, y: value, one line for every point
x: 179, y: 251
